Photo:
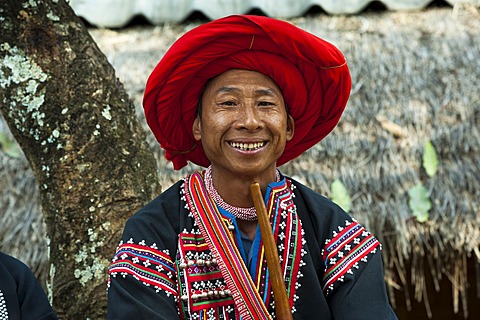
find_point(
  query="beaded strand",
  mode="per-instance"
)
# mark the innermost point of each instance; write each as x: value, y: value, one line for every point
x: 248, y: 214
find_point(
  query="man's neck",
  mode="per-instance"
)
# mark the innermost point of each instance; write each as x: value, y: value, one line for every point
x: 235, y: 189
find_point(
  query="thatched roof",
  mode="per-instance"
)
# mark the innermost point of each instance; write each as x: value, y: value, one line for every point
x: 419, y: 71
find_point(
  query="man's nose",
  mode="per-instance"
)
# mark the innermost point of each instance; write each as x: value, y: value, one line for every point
x: 250, y: 118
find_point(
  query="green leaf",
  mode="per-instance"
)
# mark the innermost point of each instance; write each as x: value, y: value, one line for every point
x: 9, y: 147
x: 340, y: 195
x: 419, y: 202
x: 430, y: 161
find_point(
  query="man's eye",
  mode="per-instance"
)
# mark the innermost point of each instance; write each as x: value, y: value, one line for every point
x: 228, y: 103
x: 265, y: 103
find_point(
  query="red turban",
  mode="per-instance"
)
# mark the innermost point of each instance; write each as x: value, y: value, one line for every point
x: 312, y: 74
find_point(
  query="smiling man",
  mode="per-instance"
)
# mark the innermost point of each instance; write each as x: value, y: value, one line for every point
x: 240, y: 96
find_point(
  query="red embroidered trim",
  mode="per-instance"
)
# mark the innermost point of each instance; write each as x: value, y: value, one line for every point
x: 213, y: 227
x: 145, y: 264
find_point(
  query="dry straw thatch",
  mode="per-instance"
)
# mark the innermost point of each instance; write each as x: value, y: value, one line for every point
x: 415, y: 79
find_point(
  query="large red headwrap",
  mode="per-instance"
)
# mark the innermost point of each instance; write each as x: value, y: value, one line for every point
x: 311, y: 72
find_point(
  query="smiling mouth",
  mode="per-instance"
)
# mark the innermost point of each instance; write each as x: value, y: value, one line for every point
x: 247, y: 146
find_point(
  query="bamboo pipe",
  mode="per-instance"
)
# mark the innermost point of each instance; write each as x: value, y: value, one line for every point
x: 282, y: 306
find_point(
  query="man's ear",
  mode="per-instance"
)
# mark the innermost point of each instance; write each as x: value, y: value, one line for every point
x: 197, y: 128
x: 290, y: 127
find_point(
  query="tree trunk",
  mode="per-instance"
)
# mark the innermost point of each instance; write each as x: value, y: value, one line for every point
x: 78, y: 130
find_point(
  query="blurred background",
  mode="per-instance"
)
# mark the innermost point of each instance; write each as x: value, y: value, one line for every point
x: 405, y: 153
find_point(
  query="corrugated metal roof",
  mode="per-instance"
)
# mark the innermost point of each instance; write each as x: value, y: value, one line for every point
x: 118, y: 13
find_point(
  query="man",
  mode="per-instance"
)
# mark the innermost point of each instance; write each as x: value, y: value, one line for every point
x: 240, y: 96
x: 21, y: 295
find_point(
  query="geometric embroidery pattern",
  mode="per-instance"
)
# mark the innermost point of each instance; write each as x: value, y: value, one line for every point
x: 214, y: 229
x: 146, y: 264
x: 202, y: 289
x: 288, y: 232
x: 349, y: 246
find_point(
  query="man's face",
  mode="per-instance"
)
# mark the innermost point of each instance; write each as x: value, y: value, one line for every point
x: 244, y: 124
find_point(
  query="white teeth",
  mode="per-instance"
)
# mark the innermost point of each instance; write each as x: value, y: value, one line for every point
x: 247, y: 146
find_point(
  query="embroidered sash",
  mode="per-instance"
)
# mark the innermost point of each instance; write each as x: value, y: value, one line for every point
x: 288, y: 233
x: 222, y: 245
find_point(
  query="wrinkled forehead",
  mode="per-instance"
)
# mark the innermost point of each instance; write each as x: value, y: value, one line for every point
x: 237, y: 80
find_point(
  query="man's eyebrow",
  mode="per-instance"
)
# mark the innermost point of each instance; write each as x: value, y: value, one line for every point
x: 266, y: 92
x: 227, y: 89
